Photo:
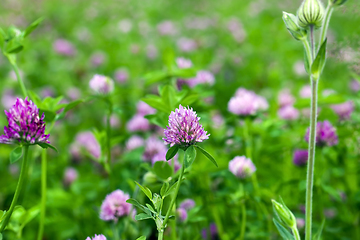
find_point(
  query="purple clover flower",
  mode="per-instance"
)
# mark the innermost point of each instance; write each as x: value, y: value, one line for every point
x: 88, y: 141
x: 285, y: 98
x: 138, y: 123
x: 153, y: 147
x: 325, y: 134
x: 242, y: 167
x: 97, y: 237
x: 184, y: 128
x: 246, y: 102
x: 182, y: 214
x: 25, y: 125
x: 134, y: 142
x: 300, y: 157
x: 288, y: 113
x: 64, y: 47
x: 343, y: 110
x: 101, y: 84
x: 115, y: 206
x: 187, y: 204
x: 70, y: 175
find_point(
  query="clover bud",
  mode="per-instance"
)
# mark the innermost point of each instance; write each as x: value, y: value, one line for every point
x: 337, y: 2
x: 149, y: 178
x: 285, y: 215
x: 292, y: 26
x: 310, y: 13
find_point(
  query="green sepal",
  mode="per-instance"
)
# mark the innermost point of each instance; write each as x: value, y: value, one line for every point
x: 319, y: 62
x: 172, y: 152
x: 47, y: 145
x: 14, y: 46
x: 142, y: 216
x: 15, y: 154
x: 145, y: 190
x: 285, y: 234
x: 208, y: 155
x: 190, y: 155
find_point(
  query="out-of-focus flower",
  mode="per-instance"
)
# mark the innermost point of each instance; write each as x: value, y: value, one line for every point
x: 285, y: 98
x: 300, y: 223
x: 125, y: 25
x: 202, y: 77
x: 151, y: 51
x: 25, y: 126
x: 97, y: 59
x: 114, y: 121
x: 70, y: 175
x: 183, y: 62
x: 138, y: 123
x: 182, y: 214
x: 213, y: 232
x: 115, y: 206
x: 325, y: 134
x: 64, y: 47
x: 242, y: 167
x: 187, y: 204
x: 246, y: 102
x: 217, y: 120
x: 101, y: 84
x: 154, y: 146
x: 186, y: 44
x: 134, y: 142
x: 343, y: 110
x: 354, y: 85
x: 184, y: 128
x: 8, y: 98
x: 121, y: 75
x: 299, y: 68
x: 88, y: 141
x: 47, y: 92
x: 300, y: 157
x: 97, y: 237
x: 167, y: 28
x: 73, y: 93
x: 237, y: 30
x: 288, y: 113
x: 328, y: 92
x: 305, y: 91
x: 330, y: 213
x: 144, y: 109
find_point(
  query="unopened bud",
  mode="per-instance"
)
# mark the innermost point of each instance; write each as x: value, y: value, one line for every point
x: 285, y: 215
x: 13, y: 32
x: 310, y: 13
x: 292, y: 26
x: 337, y: 2
x: 149, y: 178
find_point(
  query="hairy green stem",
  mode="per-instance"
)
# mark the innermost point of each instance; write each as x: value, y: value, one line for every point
x: 173, y: 199
x: 311, y: 149
x: 325, y: 23
x: 24, y: 171
x: 43, y: 194
x: 22, y: 86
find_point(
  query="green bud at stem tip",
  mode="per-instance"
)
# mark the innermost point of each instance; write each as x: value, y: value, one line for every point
x: 311, y: 12
x: 292, y: 26
x: 285, y: 215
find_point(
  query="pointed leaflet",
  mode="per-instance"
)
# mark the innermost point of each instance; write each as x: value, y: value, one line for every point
x: 15, y: 154
x: 140, y: 238
x: 319, y: 62
x: 190, y: 155
x: 145, y: 190
x: 32, y: 26
x: 142, y: 216
x: 172, y: 152
x: 283, y: 231
x: 208, y: 155
x: 47, y: 145
x: 164, y: 188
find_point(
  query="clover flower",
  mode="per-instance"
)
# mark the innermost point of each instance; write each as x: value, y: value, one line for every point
x: 325, y: 134
x: 246, y: 102
x: 242, y: 167
x: 343, y: 110
x: 184, y: 128
x: 285, y: 98
x: 97, y: 237
x: 134, y: 142
x: 25, y: 125
x: 138, y: 123
x: 87, y: 141
x: 115, y: 206
x: 185, y: 206
x: 101, y: 84
x: 64, y: 47
x: 154, y: 146
x: 300, y: 157
x: 70, y: 175
x: 288, y: 113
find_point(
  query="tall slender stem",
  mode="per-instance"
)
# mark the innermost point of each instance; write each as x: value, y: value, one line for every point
x: 296, y: 233
x: 174, y: 196
x: 243, y: 221
x: 22, y: 86
x: 43, y: 193
x: 24, y: 171
x: 325, y: 24
x: 108, y: 138
x: 312, y: 137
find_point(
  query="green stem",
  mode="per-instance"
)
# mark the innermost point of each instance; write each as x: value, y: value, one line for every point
x: 174, y: 197
x: 108, y: 139
x: 115, y: 231
x: 22, y: 86
x: 311, y: 161
x: 296, y: 233
x: 307, y: 49
x: 161, y: 235
x: 325, y: 24
x: 243, y: 221
x: 24, y: 170
x: 312, y: 43
x: 43, y: 194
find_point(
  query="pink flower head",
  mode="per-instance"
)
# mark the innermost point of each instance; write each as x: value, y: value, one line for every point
x: 101, y: 84
x: 285, y: 98
x: 343, y: 110
x: 115, y: 206
x: 184, y: 128
x: 183, y: 62
x: 300, y: 157
x: 305, y: 91
x: 134, y: 142
x: 182, y: 214
x: 25, y: 125
x: 187, y: 204
x: 144, y: 109
x: 325, y: 134
x: 288, y: 113
x: 246, y: 103
x: 97, y: 59
x: 138, y: 123
x: 242, y: 167
x: 88, y: 141
x: 70, y: 175
x: 167, y: 28
x: 121, y: 75
x: 153, y: 147
x: 186, y: 44
x: 97, y: 237
x: 64, y: 47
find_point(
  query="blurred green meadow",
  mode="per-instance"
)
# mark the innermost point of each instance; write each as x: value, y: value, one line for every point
x: 136, y: 43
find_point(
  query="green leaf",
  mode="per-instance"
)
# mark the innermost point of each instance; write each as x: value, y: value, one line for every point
x: 285, y: 234
x: 32, y: 26
x: 317, y: 235
x: 170, y: 190
x: 159, y: 119
x: 157, y: 201
x: 190, y: 155
x: 14, y: 46
x: 137, y: 204
x: 172, y: 152
x: 168, y: 94
x: 157, y: 103
x: 142, y: 216
x: 145, y: 190
x: 47, y: 145
x: 189, y: 99
x: 35, y: 98
x: 319, y: 62
x: 208, y: 155
x: 141, y: 238
x: 155, y: 77
x: 15, y: 154
x: 162, y: 169
x: 184, y: 72
x: 73, y: 104
x: 2, y: 38
x: 164, y: 188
